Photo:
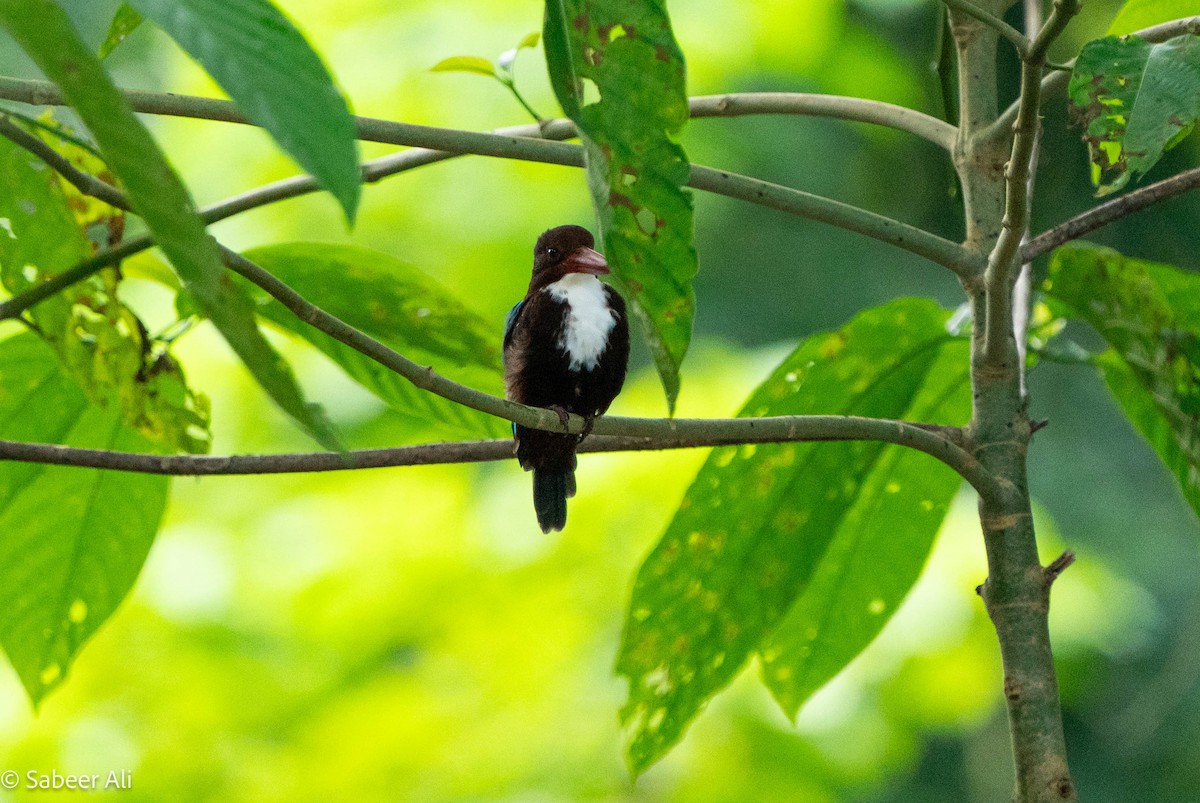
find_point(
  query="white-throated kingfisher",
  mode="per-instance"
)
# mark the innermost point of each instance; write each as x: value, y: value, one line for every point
x: 566, y: 347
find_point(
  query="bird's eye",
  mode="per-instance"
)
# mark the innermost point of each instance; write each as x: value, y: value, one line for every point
x: 551, y: 252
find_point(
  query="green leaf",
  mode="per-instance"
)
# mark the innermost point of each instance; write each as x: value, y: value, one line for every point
x: 1149, y: 314
x: 1137, y: 15
x: 72, y: 541
x: 276, y: 79
x: 1135, y: 101
x: 103, y: 346
x: 530, y: 41
x: 892, y: 523
x: 272, y: 371
x: 473, y: 64
x: 766, y: 532
x: 619, y: 74
x: 124, y: 22
x: 158, y: 196
x: 401, y: 307
x: 103, y: 225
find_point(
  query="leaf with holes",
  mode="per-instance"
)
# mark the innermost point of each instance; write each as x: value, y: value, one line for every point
x: 619, y: 74
x: 72, y: 541
x: 103, y: 345
x: 275, y: 78
x: 1135, y: 100
x: 1150, y: 316
x: 401, y: 307
x: 158, y: 195
x: 892, y: 523
x: 765, y: 529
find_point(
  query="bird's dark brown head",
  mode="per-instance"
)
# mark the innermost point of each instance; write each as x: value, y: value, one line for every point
x: 563, y: 250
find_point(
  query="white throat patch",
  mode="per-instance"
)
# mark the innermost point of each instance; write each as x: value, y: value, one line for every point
x: 588, y: 319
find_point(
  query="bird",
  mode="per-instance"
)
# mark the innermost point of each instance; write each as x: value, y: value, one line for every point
x: 566, y: 348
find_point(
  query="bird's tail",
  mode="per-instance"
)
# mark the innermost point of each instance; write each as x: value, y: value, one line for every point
x: 551, y: 489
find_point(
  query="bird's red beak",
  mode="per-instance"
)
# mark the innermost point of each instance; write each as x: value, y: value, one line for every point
x: 586, y: 260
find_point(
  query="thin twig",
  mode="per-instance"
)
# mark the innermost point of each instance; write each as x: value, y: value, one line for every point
x: 998, y: 337
x: 1061, y: 14
x: 84, y: 182
x: 371, y: 129
x: 1110, y: 211
x: 838, y: 107
x: 1018, y: 39
x: 937, y: 441
x: 530, y: 143
x: 1058, y: 566
x: 515, y: 143
x: 939, y: 250
x: 1023, y: 288
x: 623, y: 435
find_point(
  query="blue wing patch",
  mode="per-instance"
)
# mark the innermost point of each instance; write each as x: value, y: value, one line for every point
x: 510, y: 321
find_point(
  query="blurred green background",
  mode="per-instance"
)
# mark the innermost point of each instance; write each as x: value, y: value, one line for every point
x: 409, y: 634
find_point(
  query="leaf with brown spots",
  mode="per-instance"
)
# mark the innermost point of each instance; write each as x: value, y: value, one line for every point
x: 1149, y: 314
x: 778, y: 548
x: 1135, y: 101
x: 626, y: 52
x: 97, y: 338
x: 74, y: 540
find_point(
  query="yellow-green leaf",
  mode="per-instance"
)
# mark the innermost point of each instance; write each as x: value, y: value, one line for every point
x: 474, y: 64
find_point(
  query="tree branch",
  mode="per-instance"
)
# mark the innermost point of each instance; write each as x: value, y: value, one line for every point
x: 518, y: 142
x: 623, y: 435
x: 1110, y: 211
x: 1018, y: 39
x: 1061, y: 14
x: 84, y: 182
x: 371, y: 129
x: 839, y: 107
x: 999, y: 342
x: 844, y: 216
x: 1017, y: 598
x: 938, y: 441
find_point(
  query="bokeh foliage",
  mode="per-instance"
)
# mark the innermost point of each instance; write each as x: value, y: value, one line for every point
x: 404, y: 630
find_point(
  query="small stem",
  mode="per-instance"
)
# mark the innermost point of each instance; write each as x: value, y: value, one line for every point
x: 837, y: 107
x: 1110, y: 211
x: 1059, y: 565
x: 56, y: 131
x: 1062, y: 11
x: 1018, y: 39
x: 84, y: 182
x: 511, y: 85
x: 999, y: 348
x: 844, y: 216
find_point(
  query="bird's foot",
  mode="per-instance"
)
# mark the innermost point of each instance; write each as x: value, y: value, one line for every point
x: 588, y: 422
x: 563, y: 416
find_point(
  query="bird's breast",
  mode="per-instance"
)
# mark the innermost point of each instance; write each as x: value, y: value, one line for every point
x: 587, y: 319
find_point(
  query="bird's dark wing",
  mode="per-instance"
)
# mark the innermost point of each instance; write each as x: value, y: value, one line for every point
x: 510, y: 322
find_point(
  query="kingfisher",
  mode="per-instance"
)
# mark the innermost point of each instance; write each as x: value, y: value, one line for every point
x: 566, y: 347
